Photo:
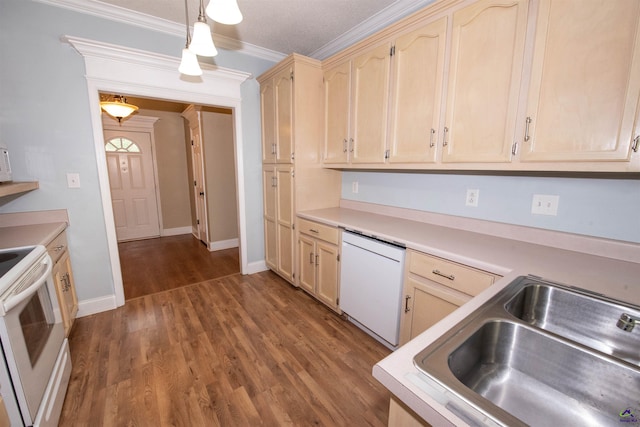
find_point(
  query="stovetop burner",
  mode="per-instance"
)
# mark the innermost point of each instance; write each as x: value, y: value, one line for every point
x: 10, y: 257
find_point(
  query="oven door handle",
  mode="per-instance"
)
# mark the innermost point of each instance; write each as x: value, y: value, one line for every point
x: 14, y: 300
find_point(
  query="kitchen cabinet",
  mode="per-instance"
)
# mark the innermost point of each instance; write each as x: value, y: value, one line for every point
x: 356, y: 108
x: 10, y: 188
x: 63, y: 280
x: 319, y: 258
x: 583, y: 102
x: 276, y: 99
x: 278, y: 219
x: 487, y: 54
x: 293, y: 176
x: 400, y: 415
x: 434, y: 288
x: 416, y: 94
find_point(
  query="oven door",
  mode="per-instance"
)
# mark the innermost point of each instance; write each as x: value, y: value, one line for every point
x: 32, y: 335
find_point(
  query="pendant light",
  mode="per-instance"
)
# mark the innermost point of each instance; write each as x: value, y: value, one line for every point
x: 202, y: 43
x: 189, y: 64
x: 118, y: 108
x: 224, y: 11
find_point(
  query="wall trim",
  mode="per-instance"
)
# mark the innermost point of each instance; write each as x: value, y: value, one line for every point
x: 223, y: 244
x: 113, y: 68
x: 96, y: 305
x: 153, y: 23
x: 256, y: 267
x: 177, y: 231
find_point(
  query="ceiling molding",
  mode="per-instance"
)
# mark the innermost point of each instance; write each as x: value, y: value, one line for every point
x: 142, y: 20
x: 380, y: 20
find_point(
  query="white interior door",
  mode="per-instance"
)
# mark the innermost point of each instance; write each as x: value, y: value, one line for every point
x: 132, y: 182
x: 199, y: 186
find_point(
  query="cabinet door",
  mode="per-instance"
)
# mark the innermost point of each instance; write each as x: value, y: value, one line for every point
x: 418, y: 71
x: 370, y: 104
x: 487, y: 48
x: 269, y: 208
x: 268, y: 117
x: 328, y: 271
x: 425, y: 306
x: 65, y: 291
x: 307, y: 267
x: 284, y: 222
x: 337, y: 89
x: 283, y: 83
x: 585, y: 81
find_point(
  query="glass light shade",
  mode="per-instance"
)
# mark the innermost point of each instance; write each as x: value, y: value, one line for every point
x: 224, y: 11
x: 202, y: 43
x: 118, y: 108
x: 189, y: 64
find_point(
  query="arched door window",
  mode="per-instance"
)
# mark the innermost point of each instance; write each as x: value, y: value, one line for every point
x: 122, y: 145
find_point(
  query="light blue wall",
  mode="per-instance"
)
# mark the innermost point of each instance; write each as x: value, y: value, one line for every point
x: 45, y: 122
x: 607, y: 208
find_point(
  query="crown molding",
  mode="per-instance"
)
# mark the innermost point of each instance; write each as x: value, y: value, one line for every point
x: 382, y: 19
x: 143, y: 20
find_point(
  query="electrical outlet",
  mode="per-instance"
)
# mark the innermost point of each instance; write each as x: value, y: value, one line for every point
x: 73, y: 180
x: 354, y: 187
x: 544, y: 204
x: 472, y: 197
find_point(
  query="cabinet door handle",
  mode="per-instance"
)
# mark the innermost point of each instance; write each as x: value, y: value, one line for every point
x: 58, y: 248
x: 351, y: 143
x: 636, y: 142
x: 317, y: 259
x: 406, y: 303
x: 432, y: 133
x: 310, y: 257
x: 526, y: 129
x: 444, y: 137
x: 344, y: 145
x: 446, y: 276
x: 273, y: 149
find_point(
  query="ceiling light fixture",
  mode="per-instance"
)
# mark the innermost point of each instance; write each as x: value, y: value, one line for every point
x: 118, y: 108
x: 224, y: 11
x: 202, y: 43
x: 189, y: 64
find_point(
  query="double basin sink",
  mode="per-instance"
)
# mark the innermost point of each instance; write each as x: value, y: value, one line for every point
x: 541, y: 354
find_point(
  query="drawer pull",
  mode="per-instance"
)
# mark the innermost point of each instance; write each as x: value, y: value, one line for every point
x: 450, y: 276
x: 313, y: 230
x: 58, y: 248
x: 406, y: 303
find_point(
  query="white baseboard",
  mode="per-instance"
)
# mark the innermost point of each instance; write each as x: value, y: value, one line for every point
x: 176, y: 231
x: 223, y: 244
x: 256, y: 267
x: 96, y: 305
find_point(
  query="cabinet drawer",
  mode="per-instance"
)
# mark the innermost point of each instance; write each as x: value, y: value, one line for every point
x: 459, y: 277
x: 319, y: 231
x: 57, y: 247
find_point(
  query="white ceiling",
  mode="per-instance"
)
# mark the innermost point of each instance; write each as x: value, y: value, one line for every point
x: 316, y: 28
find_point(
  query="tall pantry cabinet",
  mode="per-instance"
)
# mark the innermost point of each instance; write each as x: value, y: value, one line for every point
x: 293, y: 177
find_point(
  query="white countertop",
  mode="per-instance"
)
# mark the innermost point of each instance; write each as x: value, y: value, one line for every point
x: 27, y: 235
x: 507, y: 257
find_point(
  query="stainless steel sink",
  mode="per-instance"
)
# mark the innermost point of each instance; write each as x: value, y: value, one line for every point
x: 579, y: 316
x: 539, y: 353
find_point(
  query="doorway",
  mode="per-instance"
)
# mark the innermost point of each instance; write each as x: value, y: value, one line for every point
x: 111, y: 68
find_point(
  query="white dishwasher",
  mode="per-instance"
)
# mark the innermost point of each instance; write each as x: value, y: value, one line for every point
x: 371, y: 285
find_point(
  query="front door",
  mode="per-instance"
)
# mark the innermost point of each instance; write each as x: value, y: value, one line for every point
x: 131, y: 177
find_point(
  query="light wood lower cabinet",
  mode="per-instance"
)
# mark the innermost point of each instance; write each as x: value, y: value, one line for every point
x: 401, y: 415
x: 319, y: 261
x: 434, y: 288
x: 63, y: 280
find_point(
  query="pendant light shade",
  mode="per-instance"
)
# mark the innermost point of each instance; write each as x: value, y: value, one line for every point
x: 118, y: 108
x: 224, y: 11
x: 189, y: 64
x: 202, y: 43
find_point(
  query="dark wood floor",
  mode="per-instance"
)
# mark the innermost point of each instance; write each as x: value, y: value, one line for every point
x: 233, y: 351
x: 154, y: 265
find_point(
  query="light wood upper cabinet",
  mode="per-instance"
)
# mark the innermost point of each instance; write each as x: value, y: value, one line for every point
x: 337, y: 103
x: 277, y: 118
x: 585, y: 81
x: 418, y: 71
x: 370, y: 105
x: 356, y: 102
x: 487, y: 54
